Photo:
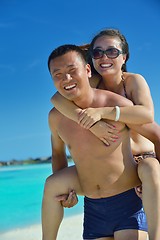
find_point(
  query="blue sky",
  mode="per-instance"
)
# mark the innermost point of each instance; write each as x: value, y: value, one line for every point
x: 30, y: 30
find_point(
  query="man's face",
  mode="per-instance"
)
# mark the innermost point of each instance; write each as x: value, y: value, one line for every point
x: 70, y: 75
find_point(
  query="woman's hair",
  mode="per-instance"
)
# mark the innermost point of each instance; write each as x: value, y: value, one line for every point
x: 86, y: 49
x: 111, y: 33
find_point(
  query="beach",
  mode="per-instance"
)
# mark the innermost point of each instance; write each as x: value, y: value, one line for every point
x: 21, y: 205
x: 21, y: 194
x: 71, y: 228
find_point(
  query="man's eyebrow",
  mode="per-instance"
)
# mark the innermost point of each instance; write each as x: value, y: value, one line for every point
x: 71, y: 65
x: 55, y: 70
x: 58, y: 69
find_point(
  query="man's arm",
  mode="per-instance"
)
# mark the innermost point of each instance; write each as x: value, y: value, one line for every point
x: 151, y: 131
x: 59, y: 159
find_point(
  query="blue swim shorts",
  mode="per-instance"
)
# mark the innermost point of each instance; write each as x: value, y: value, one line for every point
x: 104, y: 216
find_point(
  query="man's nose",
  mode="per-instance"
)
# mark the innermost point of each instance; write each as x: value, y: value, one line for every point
x: 67, y: 76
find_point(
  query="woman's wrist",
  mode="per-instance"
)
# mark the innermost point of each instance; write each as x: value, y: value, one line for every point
x: 118, y: 113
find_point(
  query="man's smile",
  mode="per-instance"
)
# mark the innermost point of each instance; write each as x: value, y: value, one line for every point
x: 70, y: 86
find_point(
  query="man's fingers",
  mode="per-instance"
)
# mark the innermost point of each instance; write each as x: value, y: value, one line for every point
x: 70, y: 201
x: 72, y: 198
x: 138, y: 191
x: 61, y: 197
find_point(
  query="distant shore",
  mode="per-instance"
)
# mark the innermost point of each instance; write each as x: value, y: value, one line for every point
x: 28, y: 161
x: 71, y: 229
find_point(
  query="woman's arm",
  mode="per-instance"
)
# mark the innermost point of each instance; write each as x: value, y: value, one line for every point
x: 66, y: 107
x: 87, y: 117
x: 129, y: 115
x: 105, y: 132
x: 138, y: 92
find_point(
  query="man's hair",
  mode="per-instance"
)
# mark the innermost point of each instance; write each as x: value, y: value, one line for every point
x: 61, y: 50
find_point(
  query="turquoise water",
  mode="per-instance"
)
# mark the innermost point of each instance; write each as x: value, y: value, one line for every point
x: 21, y: 191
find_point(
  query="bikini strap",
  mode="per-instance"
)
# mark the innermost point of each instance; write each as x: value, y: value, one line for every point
x: 124, y: 86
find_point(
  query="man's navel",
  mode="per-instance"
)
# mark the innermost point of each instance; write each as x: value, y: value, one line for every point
x: 98, y: 187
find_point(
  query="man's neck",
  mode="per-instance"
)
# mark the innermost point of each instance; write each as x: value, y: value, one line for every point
x: 86, y: 99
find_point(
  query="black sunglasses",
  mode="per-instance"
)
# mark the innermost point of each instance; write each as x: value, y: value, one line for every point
x: 111, y: 53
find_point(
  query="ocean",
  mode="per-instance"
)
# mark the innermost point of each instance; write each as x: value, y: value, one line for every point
x: 21, y: 191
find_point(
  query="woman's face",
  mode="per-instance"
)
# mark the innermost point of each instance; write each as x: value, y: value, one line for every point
x: 106, y: 66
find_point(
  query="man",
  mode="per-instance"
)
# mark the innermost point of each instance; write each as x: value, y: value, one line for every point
x: 106, y: 175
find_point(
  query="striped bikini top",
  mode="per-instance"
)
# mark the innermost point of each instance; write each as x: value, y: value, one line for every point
x: 124, y: 87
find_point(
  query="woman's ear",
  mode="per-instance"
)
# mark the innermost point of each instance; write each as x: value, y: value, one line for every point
x: 124, y: 58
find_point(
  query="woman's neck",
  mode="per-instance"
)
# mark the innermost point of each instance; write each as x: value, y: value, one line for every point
x: 113, y: 83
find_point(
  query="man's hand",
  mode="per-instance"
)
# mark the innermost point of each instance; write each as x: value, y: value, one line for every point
x: 68, y: 200
x: 138, y: 191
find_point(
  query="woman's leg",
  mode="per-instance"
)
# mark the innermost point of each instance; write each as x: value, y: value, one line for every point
x: 149, y: 174
x: 52, y: 210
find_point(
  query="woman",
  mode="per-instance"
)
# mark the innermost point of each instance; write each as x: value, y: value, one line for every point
x: 109, y: 53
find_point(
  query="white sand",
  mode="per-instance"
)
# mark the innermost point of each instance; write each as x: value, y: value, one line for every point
x: 71, y: 229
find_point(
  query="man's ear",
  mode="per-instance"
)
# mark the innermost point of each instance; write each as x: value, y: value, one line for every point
x: 88, y: 68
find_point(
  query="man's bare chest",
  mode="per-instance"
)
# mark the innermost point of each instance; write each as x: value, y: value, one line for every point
x: 72, y: 134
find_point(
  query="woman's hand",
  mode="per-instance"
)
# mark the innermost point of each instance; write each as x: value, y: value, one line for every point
x: 89, y: 116
x: 107, y: 133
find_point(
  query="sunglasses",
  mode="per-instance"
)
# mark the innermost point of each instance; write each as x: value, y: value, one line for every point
x: 111, y: 53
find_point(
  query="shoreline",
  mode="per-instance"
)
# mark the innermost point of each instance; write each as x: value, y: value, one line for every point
x: 71, y: 228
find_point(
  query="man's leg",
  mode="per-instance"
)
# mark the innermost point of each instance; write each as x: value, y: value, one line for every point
x: 52, y: 210
x: 149, y: 174
x: 106, y: 238
x: 130, y: 235
x: 126, y: 235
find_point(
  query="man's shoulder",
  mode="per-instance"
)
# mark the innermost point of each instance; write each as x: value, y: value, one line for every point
x: 109, y: 95
x: 110, y: 99
x: 53, y: 118
x: 53, y: 113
